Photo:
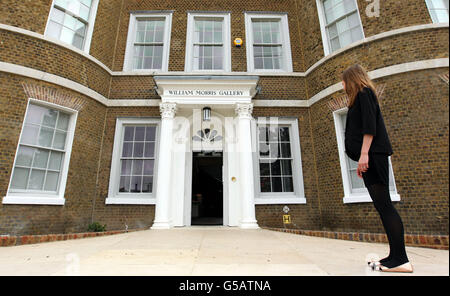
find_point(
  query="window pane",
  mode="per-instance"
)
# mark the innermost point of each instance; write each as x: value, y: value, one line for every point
x: 264, y: 169
x: 45, y: 137
x: 356, y: 181
x: 54, y: 30
x: 263, y: 150
x: 36, y: 179
x: 20, y: 178
x: 285, y: 150
x: 63, y: 121
x: 60, y: 140
x: 335, y: 45
x: 138, y: 150
x: 441, y: 16
x: 265, y: 184
x: 345, y: 38
x: 150, y: 133
x: 51, y: 181
x: 84, y: 12
x: 284, y: 134
x: 78, y: 41
x: 124, y: 184
x: 34, y: 114
x: 136, y: 183
x: 129, y: 133
x: 263, y: 134
x: 55, y: 161
x: 148, y: 167
x: 357, y: 34
x: 40, y: 158
x: 49, y: 118
x: 275, y: 168
x: 259, y: 63
x: 349, y: 5
x: 126, y: 167
x: 286, y: 167
x: 25, y: 156
x: 67, y: 35
x: 149, y: 149
x: 276, y: 184
x: 287, y: 184
x: 57, y: 16
x: 353, y: 20
x: 274, y: 150
x: 139, y: 134
x: 137, y: 167
x: 147, y: 184
x: 127, y: 150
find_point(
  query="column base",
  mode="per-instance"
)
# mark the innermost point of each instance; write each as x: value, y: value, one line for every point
x: 249, y: 225
x: 161, y: 225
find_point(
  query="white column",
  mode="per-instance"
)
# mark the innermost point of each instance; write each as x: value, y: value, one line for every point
x: 163, y: 185
x: 246, y: 173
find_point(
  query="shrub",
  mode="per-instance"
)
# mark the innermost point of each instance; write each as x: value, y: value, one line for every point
x: 96, y: 227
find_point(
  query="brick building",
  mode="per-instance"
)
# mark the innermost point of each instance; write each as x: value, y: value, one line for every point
x: 145, y: 113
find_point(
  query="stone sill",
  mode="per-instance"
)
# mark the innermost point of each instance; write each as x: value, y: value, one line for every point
x: 414, y: 240
x: 12, y: 240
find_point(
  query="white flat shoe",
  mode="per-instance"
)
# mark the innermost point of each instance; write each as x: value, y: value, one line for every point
x: 407, y: 267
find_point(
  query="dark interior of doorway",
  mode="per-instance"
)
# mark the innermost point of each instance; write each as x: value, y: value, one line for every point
x: 207, y: 188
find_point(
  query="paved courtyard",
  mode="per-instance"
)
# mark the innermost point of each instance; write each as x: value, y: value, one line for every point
x: 209, y: 250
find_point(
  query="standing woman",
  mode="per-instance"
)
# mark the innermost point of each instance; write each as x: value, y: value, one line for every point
x: 367, y: 142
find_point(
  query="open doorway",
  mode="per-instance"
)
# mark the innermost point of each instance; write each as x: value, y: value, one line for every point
x: 207, y: 188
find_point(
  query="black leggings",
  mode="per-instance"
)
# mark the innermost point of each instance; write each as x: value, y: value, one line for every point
x: 377, y: 184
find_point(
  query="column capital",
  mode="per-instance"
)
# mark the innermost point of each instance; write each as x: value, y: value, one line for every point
x: 168, y: 110
x: 244, y: 110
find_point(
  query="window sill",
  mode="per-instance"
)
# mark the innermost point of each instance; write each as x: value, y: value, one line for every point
x: 34, y: 200
x: 130, y: 201
x: 273, y: 199
x: 365, y: 197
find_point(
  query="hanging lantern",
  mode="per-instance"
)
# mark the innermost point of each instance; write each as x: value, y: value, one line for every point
x: 206, y: 114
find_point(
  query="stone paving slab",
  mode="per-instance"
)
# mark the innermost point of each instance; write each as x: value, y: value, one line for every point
x: 209, y: 250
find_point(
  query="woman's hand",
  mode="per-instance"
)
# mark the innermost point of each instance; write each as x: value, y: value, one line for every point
x: 363, y: 164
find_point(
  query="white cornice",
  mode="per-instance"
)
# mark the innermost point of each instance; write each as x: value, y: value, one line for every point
x: 64, y: 82
x: 287, y: 74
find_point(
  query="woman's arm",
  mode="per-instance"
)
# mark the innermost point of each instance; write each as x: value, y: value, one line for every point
x: 363, y: 163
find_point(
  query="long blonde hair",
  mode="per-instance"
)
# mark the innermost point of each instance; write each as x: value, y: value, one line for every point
x: 356, y: 78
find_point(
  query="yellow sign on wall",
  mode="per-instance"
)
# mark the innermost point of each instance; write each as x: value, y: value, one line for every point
x: 286, y: 219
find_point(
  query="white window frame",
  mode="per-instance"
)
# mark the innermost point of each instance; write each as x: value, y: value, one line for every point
x: 188, y: 66
x: 296, y: 197
x: 114, y: 196
x: 430, y: 8
x: 359, y: 195
x: 131, y: 37
x: 26, y: 197
x: 285, y: 40
x: 90, y: 27
x: 325, y: 40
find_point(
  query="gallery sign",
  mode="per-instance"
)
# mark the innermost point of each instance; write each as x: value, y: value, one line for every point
x: 204, y: 93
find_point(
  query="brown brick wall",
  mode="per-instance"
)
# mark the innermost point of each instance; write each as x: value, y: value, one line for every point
x: 394, y: 14
x: 48, y: 57
x: 116, y: 216
x: 26, y: 14
x: 75, y: 215
x: 404, y: 48
x: 179, y: 24
x: 105, y: 31
x: 420, y: 140
x: 306, y: 216
x: 415, y: 110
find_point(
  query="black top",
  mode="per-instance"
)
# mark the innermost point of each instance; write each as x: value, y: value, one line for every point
x: 364, y: 117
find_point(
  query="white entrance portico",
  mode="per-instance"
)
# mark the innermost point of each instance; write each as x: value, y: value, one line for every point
x: 183, y: 131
